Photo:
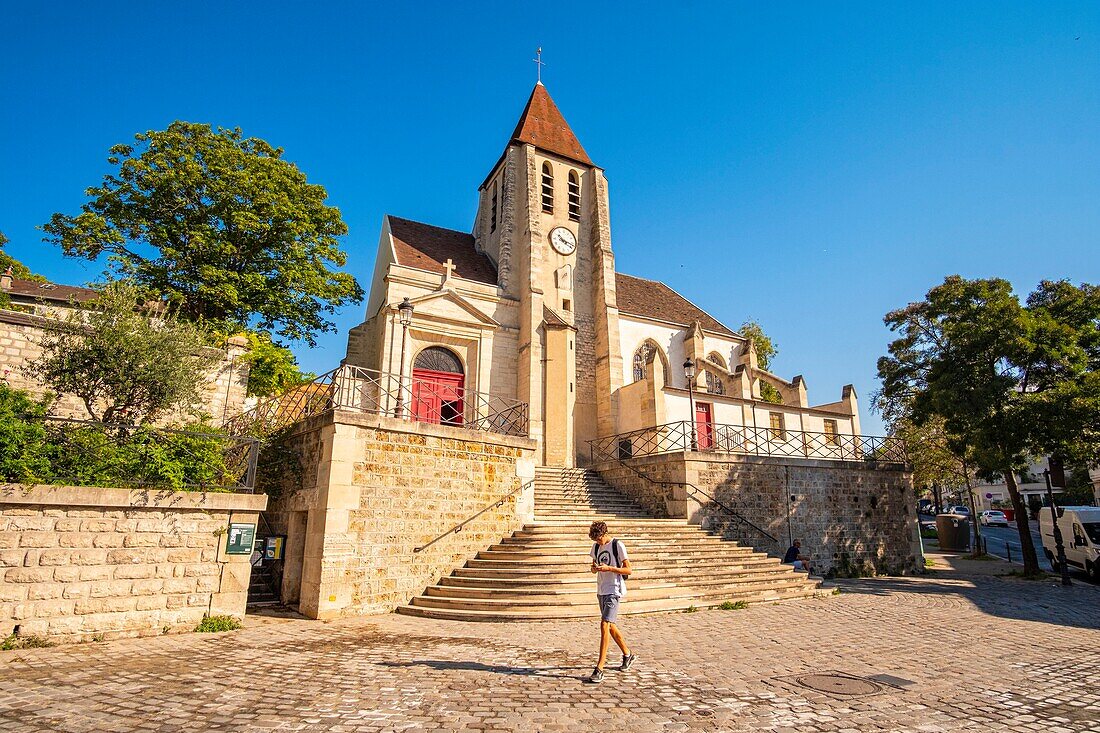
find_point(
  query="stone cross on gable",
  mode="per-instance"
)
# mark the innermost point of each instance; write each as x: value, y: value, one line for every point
x: 448, y: 269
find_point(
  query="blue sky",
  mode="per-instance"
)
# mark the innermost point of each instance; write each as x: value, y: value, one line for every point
x: 811, y: 166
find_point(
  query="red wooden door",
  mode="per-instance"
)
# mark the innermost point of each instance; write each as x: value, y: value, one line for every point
x: 704, y: 426
x: 437, y: 397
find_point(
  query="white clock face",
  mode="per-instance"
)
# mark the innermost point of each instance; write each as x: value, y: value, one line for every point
x: 563, y: 241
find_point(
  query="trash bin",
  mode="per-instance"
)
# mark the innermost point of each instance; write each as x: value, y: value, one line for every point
x: 953, y: 531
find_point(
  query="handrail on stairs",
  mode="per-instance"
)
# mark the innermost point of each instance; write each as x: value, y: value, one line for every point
x: 696, y: 489
x: 458, y: 527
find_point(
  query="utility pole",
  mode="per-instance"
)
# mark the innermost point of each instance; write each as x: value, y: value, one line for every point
x: 1057, y: 532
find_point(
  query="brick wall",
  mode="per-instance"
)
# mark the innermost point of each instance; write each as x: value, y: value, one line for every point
x: 368, y: 490
x: 852, y: 518
x: 79, y: 562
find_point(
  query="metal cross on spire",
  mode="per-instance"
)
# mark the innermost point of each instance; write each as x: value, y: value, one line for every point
x: 539, y: 63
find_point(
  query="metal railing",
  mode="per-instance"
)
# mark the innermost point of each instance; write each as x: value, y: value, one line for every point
x: 57, y: 450
x: 357, y: 389
x: 459, y: 527
x: 692, y: 489
x: 744, y: 440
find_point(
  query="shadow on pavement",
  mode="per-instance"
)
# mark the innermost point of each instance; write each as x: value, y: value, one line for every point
x: 1045, y: 601
x: 440, y: 664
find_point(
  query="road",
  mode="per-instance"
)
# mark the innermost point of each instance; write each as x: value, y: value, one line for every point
x: 1000, y: 541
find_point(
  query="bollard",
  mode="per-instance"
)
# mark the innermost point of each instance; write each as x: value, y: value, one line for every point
x: 1008, y: 551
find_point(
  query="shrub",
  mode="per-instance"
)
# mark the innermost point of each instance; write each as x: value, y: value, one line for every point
x: 14, y: 641
x: 733, y: 606
x: 22, y: 436
x: 217, y: 624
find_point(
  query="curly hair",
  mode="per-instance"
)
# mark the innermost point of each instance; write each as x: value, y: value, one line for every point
x: 597, y: 530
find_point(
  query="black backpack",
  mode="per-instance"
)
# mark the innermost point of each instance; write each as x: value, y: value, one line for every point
x: 614, y: 551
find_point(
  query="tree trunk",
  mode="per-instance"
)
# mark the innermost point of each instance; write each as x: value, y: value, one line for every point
x: 1031, y: 560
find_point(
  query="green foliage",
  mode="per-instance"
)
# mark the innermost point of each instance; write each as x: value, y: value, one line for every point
x: 13, y: 641
x: 127, y: 365
x: 929, y: 562
x: 690, y: 609
x: 34, y: 450
x: 766, y: 349
x: 220, y: 225
x: 732, y: 606
x: 216, y: 624
x: 1078, y: 490
x: 22, y: 436
x: 1008, y: 380
x: 768, y: 393
x: 273, y: 369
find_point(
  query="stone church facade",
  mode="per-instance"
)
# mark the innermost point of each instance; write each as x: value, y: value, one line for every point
x: 528, y: 306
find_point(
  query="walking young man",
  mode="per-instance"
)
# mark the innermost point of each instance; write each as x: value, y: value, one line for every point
x: 612, y: 567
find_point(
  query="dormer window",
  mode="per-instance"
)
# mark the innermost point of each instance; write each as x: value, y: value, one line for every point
x: 574, y: 197
x: 547, y: 189
x: 493, y: 215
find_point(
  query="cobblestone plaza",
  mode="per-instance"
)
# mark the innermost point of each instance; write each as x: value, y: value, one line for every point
x: 951, y: 651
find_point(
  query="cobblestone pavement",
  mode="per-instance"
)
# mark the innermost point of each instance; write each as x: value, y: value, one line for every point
x: 962, y: 652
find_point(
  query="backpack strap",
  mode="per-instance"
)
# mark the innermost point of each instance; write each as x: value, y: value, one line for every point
x: 615, y: 552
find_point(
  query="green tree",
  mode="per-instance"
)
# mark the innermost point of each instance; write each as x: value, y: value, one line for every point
x: 765, y: 350
x: 273, y: 369
x: 18, y: 269
x: 128, y: 365
x: 997, y: 373
x: 219, y: 225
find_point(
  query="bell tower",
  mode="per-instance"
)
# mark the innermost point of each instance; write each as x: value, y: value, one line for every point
x: 543, y: 218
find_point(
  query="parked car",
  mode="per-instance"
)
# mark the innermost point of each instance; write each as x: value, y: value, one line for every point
x: 925, y: 506
x: 957, y: 509
x: 993, y: 518
x: 1080, y: 526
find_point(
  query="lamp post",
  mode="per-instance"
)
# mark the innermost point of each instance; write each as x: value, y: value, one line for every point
x: 404, y: 317
x: 1057, y: 532
x: 689, y: 372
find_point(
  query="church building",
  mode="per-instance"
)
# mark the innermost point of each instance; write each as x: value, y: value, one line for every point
x: 528, y: 307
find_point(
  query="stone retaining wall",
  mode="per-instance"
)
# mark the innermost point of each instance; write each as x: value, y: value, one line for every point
x: 78, y: 563
x: 366, y: 491
x: 852, y: 517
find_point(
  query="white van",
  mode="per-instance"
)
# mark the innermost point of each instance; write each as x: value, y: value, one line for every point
x: 1080, y: 527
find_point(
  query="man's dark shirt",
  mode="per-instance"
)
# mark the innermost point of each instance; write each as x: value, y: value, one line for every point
x: 792, y: 555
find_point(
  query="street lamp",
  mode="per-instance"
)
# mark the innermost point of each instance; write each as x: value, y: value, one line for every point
x: 689, y: 372
x: 404, y: 317
x: 1057, y: 532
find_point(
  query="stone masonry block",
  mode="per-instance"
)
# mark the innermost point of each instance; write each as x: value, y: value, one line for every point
x: 29, y: 575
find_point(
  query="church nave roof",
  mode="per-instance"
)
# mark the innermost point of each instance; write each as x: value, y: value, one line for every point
x: 653, y: 299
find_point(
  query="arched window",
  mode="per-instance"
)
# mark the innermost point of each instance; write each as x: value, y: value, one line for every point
x: 547, y: 188
x: 493, y: 219
x: 714, y: 383
x: 649, y: 353
x: 715, y: 358
x: 438, y: 359
x: 574, y: 197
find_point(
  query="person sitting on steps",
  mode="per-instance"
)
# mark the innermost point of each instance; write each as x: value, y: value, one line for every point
x: 795, y: 557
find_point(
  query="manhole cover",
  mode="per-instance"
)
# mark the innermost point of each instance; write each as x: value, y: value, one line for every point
x: 837, y: 684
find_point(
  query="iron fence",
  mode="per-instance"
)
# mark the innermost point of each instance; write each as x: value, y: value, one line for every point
x: 744, y: 440
x: 57, y: 450
x: 357, y: 389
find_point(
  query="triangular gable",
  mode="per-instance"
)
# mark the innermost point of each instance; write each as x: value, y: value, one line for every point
x: 457, y: 300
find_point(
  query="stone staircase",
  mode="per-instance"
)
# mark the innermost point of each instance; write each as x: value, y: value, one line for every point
x: 542, y: 570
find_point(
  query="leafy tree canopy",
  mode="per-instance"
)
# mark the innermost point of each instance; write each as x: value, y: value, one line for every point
x: 129, y: 366
x: 221, y: 226
x: 766, y: 349
x: 273, y: 369
x: 1007, y: 380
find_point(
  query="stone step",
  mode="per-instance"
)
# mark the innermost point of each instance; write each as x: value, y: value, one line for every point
x: 583, y: 544
x: 662, y: 575
x: 474, y: 599
x: 637, y: 556
x: 628, y: 608
x: 582, y: 565
x: 551, y: 593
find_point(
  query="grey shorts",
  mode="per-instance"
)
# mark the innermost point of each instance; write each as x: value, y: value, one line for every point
x: 609, y: 608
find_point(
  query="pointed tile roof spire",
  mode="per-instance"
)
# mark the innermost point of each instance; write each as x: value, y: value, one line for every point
x: 542, y: 125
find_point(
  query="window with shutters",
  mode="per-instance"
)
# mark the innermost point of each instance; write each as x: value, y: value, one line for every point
x: 493, y: 215
x: 574, y: 196
x: 778, y: 425
x: 547, y: 189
